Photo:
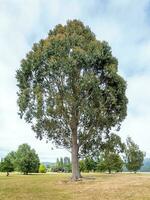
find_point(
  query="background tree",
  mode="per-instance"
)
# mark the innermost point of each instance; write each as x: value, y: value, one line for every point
x: 57, y: 162
x: 62, y: 165
x: 42, y: 168
x: 110, y: 159
x: 6, y: 164
x: 134, y: 157
x: 110, y: 162
x: 67, y: 164
x: 70, y: 91
x: 90, y: 164
x: 82, y: 166
x: 59, y: 165
x: 12, y: 157
x: 112, y: 143
x: 27, y: 160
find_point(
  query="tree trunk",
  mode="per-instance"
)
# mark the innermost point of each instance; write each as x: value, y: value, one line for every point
x: 7, y: 174
x: 75, y: 161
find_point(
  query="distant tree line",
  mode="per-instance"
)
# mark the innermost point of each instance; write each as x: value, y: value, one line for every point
x: 62, y: 165
x: 112, y: 156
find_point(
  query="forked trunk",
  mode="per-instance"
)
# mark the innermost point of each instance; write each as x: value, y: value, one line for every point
x: 75, y: 162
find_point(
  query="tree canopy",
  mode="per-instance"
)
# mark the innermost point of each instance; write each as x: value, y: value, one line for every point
x: 110, y: 162
x: 6, y: 164
x: 70, y: 90
x: 27, y: 161
x: 134, y: 157
x: 110, y: 159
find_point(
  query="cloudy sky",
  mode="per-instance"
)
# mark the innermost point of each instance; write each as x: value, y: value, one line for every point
x: 124, y: 24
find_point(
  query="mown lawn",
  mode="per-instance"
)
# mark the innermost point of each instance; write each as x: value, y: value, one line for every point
x: 59, y: 187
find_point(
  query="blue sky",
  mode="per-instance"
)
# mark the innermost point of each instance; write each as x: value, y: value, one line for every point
x: 123, y: 23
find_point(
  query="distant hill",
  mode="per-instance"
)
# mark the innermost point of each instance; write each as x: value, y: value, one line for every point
x: 146, y: 166
x: 48, y: 164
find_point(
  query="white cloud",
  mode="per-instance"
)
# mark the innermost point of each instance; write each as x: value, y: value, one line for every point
x: 18, y: 23
x: 137, y: 122
x: 139, y: 97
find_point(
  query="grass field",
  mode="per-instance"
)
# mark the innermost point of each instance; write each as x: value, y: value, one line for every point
x: 59, y: 187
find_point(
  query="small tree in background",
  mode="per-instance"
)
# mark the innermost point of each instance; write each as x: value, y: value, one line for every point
x: 90, y: 164
x: 110, y: 159
x: 12, y: 157
x: 82, y: 166
x: 67, y: 164
x: 110, y: 162
x: 42, y: 168
x: 59, y: 165
x: 27, y: 161
x: 134, y: 157
x: 6, y: 165
x: 62, y: 165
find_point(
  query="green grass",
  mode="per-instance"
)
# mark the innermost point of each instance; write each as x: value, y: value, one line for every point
x: 59, y: 187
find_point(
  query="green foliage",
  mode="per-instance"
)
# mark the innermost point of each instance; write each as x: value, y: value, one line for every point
x: 110, y: 162
x: 87, y: 165
x: 61, y: 162
x: 6, y: 164
x: 62, y: 165
x: 82, y: 166
x: 27, y: 161
x: 42, y: 168
x: 70, y: 90
x: 110, y: 159
x: 90, y: 164
x: 113, y: 144
x: 24, y: 159
x: 67, y: 164
x: 134, y: 156
x: 68, y: 80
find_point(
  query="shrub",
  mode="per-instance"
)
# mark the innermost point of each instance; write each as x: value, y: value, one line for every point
x: 42, y: 169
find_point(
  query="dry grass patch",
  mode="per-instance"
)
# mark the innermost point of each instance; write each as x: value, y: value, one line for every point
x: 59, y: 187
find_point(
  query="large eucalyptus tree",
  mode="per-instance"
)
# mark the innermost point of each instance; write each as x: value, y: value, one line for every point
x: 70, y: 90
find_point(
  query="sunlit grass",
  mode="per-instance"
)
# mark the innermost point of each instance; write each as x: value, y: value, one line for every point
x: 60, y: 187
